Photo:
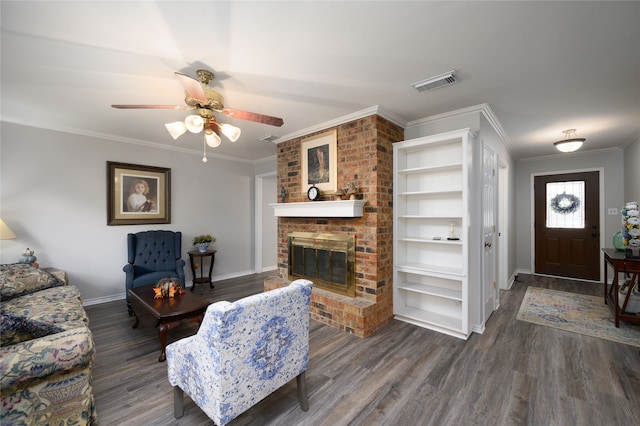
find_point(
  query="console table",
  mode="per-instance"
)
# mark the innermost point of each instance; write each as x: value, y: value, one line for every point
x: 196, y: 254
x: 620, y: 264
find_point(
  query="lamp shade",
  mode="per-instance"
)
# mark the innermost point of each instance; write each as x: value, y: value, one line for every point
x: 569, y: 145
x: 213, y: 140
x: 570, y: 142
x: 5, y: 232
x: 232, y: 132
x: 194, y: 123
x: 176, y: 129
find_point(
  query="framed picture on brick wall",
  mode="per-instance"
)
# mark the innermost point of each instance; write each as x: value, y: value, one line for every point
x: 320, y: 162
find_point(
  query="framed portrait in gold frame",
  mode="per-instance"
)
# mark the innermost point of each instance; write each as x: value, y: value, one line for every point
x: 138, y: 194
x: 320, y: 162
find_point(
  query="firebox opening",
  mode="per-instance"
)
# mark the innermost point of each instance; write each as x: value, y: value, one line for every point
x: 325, y: 259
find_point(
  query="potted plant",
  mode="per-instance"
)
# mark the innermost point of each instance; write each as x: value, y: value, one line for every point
x: 202, y: 241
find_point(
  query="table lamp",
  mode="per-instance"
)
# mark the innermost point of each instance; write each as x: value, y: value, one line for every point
x: 5, y: 232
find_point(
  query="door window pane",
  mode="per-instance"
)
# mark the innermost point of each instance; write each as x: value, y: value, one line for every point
x: 565, y: 204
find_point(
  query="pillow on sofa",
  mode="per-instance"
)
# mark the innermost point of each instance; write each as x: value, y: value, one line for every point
x: 16, y: 328
x: 17, y: 279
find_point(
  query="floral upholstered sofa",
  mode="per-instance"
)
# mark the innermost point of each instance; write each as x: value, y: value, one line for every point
x: 46, y: 351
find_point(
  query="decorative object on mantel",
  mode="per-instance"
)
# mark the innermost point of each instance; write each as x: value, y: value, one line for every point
x: 283, y: 194
x: 202, y: 242
x: 27, y: 256
x: 167, y: 287
x: 352, y: 191
x: 313, y: 194
x: 320, y: 162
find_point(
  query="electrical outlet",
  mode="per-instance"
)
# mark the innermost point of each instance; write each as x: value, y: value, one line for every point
x: 613, y: 211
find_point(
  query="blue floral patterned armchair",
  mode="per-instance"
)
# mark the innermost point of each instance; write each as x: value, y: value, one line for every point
x: 243, y: 352
x: 151, y: 256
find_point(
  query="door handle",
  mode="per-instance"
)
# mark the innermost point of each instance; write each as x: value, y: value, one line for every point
x: 594, y: 235
x: 487, y: 244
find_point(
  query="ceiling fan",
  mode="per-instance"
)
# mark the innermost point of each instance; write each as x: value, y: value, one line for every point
x: 206, y: 101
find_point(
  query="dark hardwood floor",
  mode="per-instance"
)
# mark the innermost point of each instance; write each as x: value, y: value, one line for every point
x: 515, y: 373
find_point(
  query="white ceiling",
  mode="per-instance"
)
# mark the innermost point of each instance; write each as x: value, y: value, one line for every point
x: 542, y: 67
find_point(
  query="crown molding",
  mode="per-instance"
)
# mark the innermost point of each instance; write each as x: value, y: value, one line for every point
x: 483, y: 109
x: 367, y: 112
x: 634, y: 137
x: 111, y: 138
x: 572, y: 154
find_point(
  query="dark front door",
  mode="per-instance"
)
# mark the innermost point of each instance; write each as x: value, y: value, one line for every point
x: 567, y: 235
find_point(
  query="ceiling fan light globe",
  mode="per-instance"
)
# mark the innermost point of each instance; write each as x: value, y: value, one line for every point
x: 176, y: 129
x: 231, y: 132
x: 213, y: 140
x: 194, y: 123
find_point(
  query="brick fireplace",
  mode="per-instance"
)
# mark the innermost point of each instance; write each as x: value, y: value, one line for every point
x: 365, y: 157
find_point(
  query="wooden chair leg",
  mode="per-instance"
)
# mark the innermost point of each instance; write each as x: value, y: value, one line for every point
x: 178, y: 402
x: 302, y: 391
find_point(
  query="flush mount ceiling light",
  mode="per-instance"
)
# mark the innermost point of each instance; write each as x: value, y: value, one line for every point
x: 570, y: 143
x: 206, y: 101
x: 436, y: 82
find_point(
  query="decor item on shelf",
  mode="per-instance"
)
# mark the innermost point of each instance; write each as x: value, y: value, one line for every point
x: 5, y: 232
x: 27, y: 256
x: 570, y: 143
x: 200, y: 97
x: 283, y: 194
x: 168, y: 287
x: 352, y: 191
x: 202, y: 241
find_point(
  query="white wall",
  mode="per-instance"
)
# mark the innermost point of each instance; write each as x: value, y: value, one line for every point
x: 611, y: 161
x: 53, y: 197
x: 632, y: 171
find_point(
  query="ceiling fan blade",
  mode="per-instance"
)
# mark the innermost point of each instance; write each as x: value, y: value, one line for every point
x: 193, y: 88
x: 151, y: 107
x: 253, y: 116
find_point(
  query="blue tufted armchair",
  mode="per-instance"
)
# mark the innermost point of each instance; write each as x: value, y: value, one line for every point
x: 153, y: 255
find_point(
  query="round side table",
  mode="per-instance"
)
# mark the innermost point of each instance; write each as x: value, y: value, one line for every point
x: 197, y: 255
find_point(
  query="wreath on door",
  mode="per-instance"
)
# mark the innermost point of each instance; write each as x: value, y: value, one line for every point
x: 565, y: 203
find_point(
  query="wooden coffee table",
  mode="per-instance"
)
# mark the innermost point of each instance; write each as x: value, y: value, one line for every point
x: 167, y: 312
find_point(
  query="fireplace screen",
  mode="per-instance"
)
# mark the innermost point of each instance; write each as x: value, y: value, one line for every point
x: 325, y: 259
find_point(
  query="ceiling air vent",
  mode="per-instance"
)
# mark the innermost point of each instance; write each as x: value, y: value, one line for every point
x: 445, y: 79
x: 269, y: 138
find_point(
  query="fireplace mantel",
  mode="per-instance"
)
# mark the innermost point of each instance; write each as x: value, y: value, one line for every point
x: 340, y: 208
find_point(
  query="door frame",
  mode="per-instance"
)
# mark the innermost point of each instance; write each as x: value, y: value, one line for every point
x: 259, y: 213
x: 600, y: 171
x: 492, y: 287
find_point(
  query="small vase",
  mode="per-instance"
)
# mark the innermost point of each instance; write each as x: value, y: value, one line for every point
x: 202, y: 247
x: 618, y: 244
